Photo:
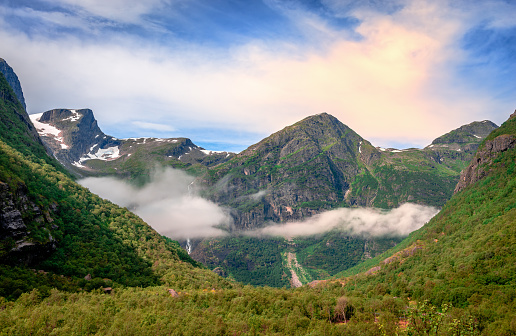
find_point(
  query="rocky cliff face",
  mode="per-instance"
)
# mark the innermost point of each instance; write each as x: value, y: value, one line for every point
x: 19, y: 216
x: 12, y: 95
x: 13, y: 81
x: 293, y: 173
x: 488, y: 151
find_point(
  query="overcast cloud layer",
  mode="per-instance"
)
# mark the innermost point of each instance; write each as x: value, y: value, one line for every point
x: 226, y: 74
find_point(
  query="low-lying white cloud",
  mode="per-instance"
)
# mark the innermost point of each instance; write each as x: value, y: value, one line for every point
x: 169, y: 203
x: 357, y: 221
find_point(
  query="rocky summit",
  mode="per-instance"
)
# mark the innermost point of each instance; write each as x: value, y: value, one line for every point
x: 12, y: 80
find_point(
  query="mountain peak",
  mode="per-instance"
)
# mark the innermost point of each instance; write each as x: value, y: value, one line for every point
x: 13, y: 81
x: 472, y: 132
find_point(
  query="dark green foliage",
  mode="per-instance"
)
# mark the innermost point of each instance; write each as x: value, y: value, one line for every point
x: 327, y: 255
x: 250, y: 260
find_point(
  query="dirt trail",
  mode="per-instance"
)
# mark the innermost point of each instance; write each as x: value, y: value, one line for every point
x: 292, y: 260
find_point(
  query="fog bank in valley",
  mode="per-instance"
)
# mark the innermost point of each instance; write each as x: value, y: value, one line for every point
x: 357, y: 221
x: 170, y: 203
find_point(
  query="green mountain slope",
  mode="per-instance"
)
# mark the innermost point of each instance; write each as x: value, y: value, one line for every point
x: 49, y: 222
x: 320, y: 163
x: 466, y: 255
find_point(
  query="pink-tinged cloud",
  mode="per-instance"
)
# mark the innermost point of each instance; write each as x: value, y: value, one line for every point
x: 396, y: 83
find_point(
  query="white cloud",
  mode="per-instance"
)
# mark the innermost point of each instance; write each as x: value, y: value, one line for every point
x: 396, y: 84
x: 169, y: 203
x: 126, y: 11
x: 375, y: 222
x: 153, y: 126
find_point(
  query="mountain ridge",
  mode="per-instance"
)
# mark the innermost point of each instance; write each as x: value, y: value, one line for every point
x: 74, y: 137
x: 325, y: 164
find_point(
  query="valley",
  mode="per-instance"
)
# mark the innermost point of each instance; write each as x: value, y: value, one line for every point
x: 75, y: 263
x: 309, y: 168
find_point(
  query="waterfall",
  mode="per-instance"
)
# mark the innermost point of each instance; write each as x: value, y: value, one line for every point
x: 188, y: 245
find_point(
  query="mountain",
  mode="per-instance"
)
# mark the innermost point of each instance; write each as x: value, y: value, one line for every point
x: 320, y: 163
x: 311, y: 166
x: 465, y: 138
x: 76, y: 140
x: 12, y: 80
x: 75, y: 239
x: 314, y: 165
x: 465, y: 255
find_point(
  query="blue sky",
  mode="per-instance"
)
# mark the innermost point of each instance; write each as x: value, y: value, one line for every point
x: 227, y: 73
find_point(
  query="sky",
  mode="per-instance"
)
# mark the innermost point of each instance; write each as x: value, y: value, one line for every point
x: 227, y: 73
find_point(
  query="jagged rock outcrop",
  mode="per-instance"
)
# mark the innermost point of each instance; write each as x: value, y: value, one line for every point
x: 17, y: 216
x: 479, y: 166
x: 13, y: 81
x: 13, y: 95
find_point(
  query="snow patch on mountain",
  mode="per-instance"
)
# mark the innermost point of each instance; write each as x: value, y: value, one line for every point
x: 47, y: 130
x: 104, y: 154
x: 210, y: 152
x: 74, y: 117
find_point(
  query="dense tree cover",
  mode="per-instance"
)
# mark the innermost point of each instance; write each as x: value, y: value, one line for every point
x: 326, y: 255
x: 467, y: 254
x: 261, y: 260
x: 325, y: 310
x: 249, y: 260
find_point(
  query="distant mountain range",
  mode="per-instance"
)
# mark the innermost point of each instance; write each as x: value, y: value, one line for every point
x: 314, y: 165
x: 78, y: 143
x: 317, y: 164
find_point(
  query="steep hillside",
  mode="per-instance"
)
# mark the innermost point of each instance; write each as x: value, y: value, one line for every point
x: 466, y: 254
x: 76, y: 140
x: 50, y: 223
x: 293, y: 173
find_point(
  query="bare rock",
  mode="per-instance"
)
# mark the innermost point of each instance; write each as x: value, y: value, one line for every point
x: 484, y: 158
